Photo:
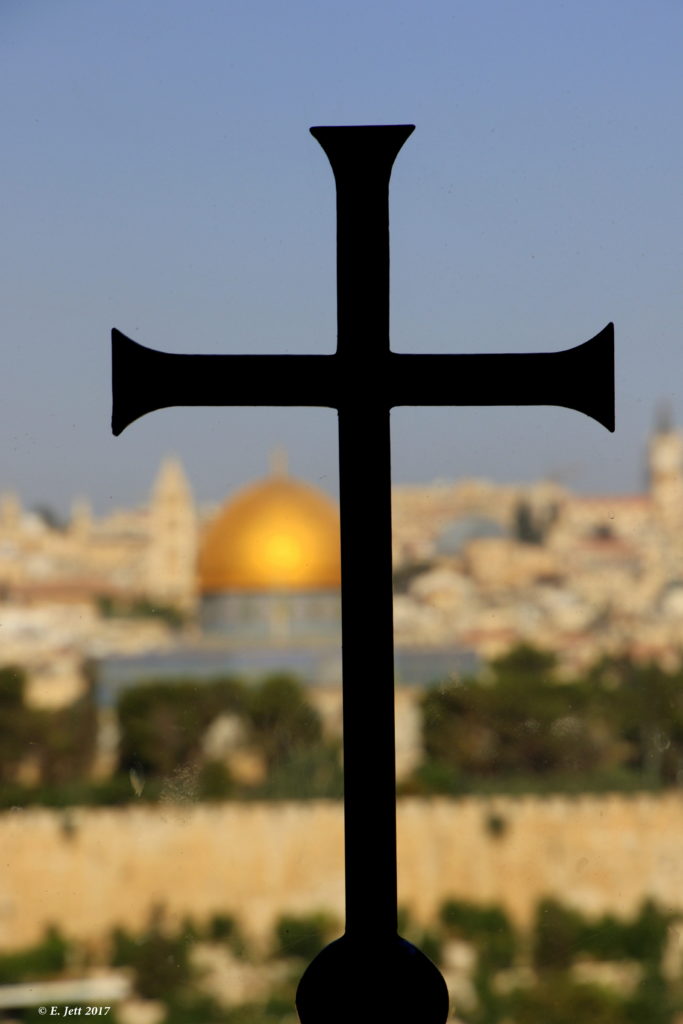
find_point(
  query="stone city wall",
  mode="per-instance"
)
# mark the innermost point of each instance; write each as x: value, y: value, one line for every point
x: 89, y: 869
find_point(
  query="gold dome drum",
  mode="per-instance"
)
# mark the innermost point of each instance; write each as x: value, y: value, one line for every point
x: 269, y: 564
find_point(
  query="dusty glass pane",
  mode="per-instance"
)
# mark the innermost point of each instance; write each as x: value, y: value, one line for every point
x: 171, y: 829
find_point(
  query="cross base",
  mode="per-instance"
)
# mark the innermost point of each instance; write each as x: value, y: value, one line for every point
x: 368, y: 982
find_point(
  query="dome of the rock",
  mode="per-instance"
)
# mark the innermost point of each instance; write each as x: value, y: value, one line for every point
x: 269, y: 565
x: 275, y: 535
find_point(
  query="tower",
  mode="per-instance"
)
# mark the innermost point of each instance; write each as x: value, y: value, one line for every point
x: 665, y: 466
x: 171, y: 558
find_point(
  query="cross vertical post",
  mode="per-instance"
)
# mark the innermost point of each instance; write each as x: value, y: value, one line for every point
x: 369, y: 974
x: 362, y: 159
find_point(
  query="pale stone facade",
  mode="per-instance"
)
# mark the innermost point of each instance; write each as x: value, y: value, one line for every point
x: 91, y: 869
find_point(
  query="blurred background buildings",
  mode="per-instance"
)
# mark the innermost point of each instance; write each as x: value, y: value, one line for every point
x: 253, y: 585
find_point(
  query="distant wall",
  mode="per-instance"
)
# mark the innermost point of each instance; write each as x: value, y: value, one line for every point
x: 88, y: 869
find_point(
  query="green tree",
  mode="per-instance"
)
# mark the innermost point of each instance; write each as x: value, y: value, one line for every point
x: 45, y: 960
x: 488, y: 928
x: 281, y: 721
x: 160, y: 962
x: 65, y: 742
x: 17, y: 722
x: 163, y: 723
x: 644, y: 705
x: 648, y: 934
x: 522, y: 723
x: 429, y: 940
x: 651, y: 1002
x: 526, y: 664
x: 559, y: 1000
x: 556, y: 937
x: 307, y: 772
x: 303, y: 936
x: 650, y: 707
x: 225, y: 929
x: 215, y: 781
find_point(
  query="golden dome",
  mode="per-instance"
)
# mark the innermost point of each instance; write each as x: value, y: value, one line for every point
x: 277, y: 534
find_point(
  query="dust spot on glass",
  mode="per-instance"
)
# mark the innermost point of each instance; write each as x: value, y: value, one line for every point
x: 137, y: 781
x: 567, y: 726
x: 662, y: 741
x: 581, y: 864
x: 181, y: 788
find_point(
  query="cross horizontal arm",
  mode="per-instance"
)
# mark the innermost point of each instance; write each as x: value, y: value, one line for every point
x: 144, y: 379
x: 580, y: 378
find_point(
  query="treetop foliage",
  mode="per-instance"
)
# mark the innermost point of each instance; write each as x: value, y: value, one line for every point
x: 621, y: 726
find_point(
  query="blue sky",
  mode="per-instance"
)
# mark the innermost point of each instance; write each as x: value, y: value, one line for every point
x: 158, y: 176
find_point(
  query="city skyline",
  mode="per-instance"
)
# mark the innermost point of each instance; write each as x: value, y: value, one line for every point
x: 210, y: 500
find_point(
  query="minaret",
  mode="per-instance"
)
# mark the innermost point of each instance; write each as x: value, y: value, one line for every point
x: 665, y: 465
x: 172, y: 553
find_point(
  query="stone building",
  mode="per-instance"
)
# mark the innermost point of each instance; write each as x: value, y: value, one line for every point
x: 489, y: 566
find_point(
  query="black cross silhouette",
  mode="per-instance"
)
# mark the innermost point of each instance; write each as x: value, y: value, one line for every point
x: 370, y: 974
